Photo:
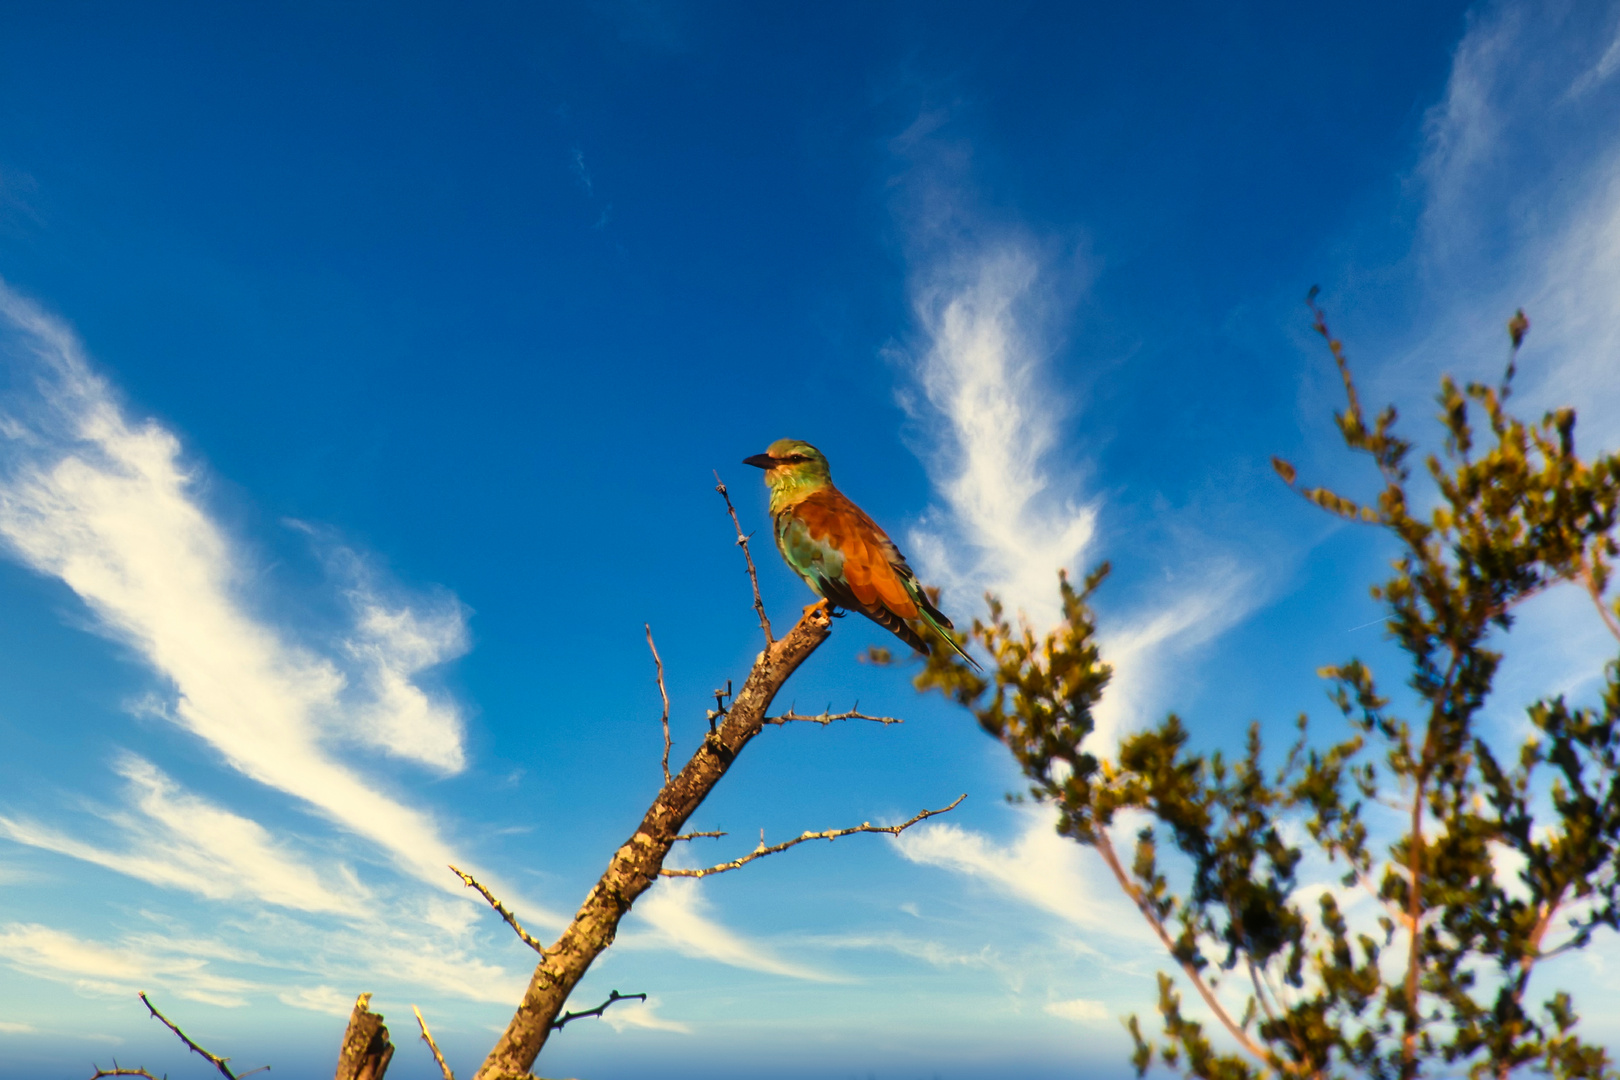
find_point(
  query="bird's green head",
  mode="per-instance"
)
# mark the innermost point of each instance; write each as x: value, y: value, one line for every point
x: 793, y: 469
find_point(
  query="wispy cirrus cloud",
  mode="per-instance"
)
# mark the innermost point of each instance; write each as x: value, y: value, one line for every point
x: 679, y: 917
x: 98, y: 967
x: 108, y: 505
x: 1008, y: 523
x: 180, y: 841
x: 1519, y: 179
x: 1039, y: 868
x: 1014, y: 506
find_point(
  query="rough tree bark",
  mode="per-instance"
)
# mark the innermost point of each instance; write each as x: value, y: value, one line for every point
x: 634, y: 867
x: 366, y: 1051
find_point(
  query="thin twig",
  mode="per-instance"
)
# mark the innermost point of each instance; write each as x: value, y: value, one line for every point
x: 598, y: 1011
x: 830, y: 834
x: 500, y: 909
x: 213, y: 1059
x: 825, y: 718
x: 119, y: 1070
x: 1590, y: 582
x: 742, y: 542
x: 696, y: 835
x: 658, y: 660
x: 1105, y: 847
x: 427, y: 1036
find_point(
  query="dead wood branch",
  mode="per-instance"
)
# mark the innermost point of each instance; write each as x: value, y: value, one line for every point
x: 427, y: 1037
x: 366, y: 1051
x: 700, y: 835
x: 613, y: 995
x: 501, y: 909
x: 120, y: 1070
x: 830, y: 834
x: 742, y: 542
x: 827, y: 717
x: 220, y: 1063
x: 634, y: 867
x: 661, y: 693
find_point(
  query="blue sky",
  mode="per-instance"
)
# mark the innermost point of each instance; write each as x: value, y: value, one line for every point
x: 362, y: 373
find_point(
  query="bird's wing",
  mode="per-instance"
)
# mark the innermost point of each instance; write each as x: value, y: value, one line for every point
x: 871, y: 569
x: 852, y: 562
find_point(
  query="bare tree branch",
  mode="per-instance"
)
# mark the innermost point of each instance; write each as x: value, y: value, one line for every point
x: 613, y: 995
x: 742, y: 542
x: 215, y: 1060
x: 825, y: 718
x: 661, y: 693
x: 700, y: 835
x: 501, y: 909
x: 427, y: 1037
x: 1105, y: 848
x: 830, y: 834
x: 634, y: 866
x: 1589, y: 582
x: 120, y: 1070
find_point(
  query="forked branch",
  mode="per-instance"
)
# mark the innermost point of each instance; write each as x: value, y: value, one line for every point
x: 827, y: 717
x: 501, y: 910
x: 613, y: 996
x: 220, y: 1063
x: 830, y: 834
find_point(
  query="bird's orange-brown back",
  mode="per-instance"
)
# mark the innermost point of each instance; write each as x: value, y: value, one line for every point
x: 868, y: 563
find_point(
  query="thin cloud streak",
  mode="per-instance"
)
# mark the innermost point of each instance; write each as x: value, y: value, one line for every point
x: 678, y: 914
x: 1039, y: 868
x: 107, y: 505
x: 94, y: 967
x: 181, y: 841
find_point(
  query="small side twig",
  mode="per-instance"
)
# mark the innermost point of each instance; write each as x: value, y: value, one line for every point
x: 742, y: 542
x: 828, y: 716
x: 215, y: 1060
x: 427, y: 1037
x: 120, y: 1070
x: 598, y: 1011
x: 697, y: 835
x: 501, y: 910
x: 659, y: 661
x: 830, y: 834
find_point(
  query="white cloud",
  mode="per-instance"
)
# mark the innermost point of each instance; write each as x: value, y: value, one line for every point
x: 107, y: 505
x: 95, y: 967
x: 934, y: 953
x: 642, y: 1014
x: 1141, y: 646
x: 1080, y: 1010
x: 10, y: 1027
x: 321, y: 999
x: 677, y: 912
x: 1007, y: 526
x: 1039, y: 867
x: 184, y: 842
x: 393, y: 644
x: 1014, y: 510
x: 1520, y: 181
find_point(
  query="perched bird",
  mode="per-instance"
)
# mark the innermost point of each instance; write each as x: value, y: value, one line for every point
x: 840, y: 552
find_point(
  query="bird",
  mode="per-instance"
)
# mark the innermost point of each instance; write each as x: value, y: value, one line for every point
x: 839, y: 551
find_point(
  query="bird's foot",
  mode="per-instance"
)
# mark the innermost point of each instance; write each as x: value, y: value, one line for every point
x: 808, y: 608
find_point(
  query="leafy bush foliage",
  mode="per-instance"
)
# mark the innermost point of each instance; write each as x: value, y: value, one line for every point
x: 1443, y: 980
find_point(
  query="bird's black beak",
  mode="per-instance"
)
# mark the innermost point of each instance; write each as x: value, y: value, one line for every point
x: 760, y: 461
